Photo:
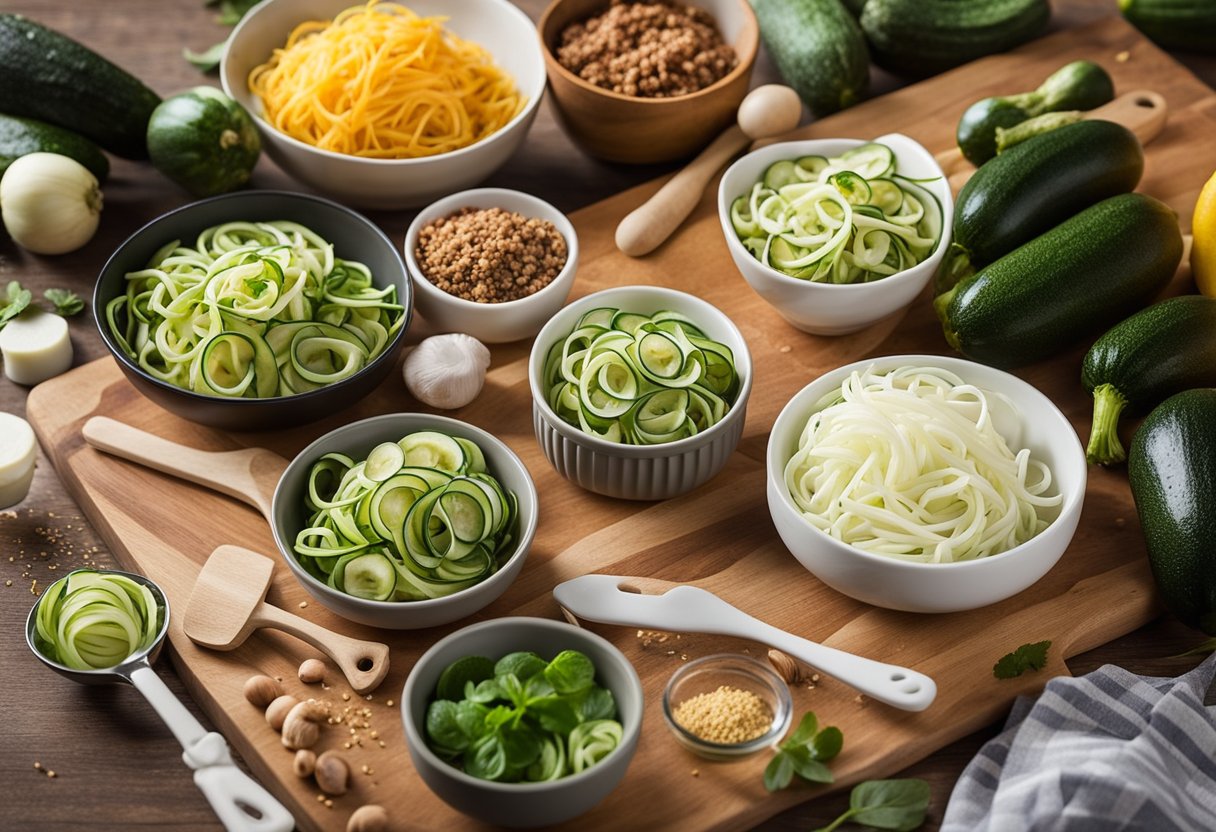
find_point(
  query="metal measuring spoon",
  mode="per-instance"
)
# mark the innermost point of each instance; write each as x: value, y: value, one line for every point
x: 241, y: 804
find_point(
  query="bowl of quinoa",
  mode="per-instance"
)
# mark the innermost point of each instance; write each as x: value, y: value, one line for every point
x: 492, y: 263
x: 644, y: 81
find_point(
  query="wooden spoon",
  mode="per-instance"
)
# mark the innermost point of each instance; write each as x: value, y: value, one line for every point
x: 766, y: 111
x: 228, y: 604
x: 1144, y: 112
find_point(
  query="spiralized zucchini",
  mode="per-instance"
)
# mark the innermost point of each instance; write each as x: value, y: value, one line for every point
x: 418, y: 518
x: 909, y: 463
x: 254, y: 310
x: 90, y: 620
x: 846, y: 219
x: 638, y: 379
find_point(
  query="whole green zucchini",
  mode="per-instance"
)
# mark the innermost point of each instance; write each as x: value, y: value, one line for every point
x: 924, y: 37
x: 1035, y: 186
x: 21, y: 136
x: 1172, y: 470
x: 1186, y: 25
x: 1080, y: 85
x: 52, y: 78
x: 1162, y: 350
x: 1086, y: 273
x: 819, y: 50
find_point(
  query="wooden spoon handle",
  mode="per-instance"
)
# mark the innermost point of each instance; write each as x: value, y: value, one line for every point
x: 645, y: 229
x: 249, y: 475
x: 1144, y: 112
x: 364, y: 663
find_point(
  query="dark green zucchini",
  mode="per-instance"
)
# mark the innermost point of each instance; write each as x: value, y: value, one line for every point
x: 1159, y: 351
x: 924, y: 37
x: 819, y: 50
x: 1080, y: 85
x: 1037, y: 126
x: 1035, y: 186
x: 1172, y: 470
x: 52, y: 78
x: 1081, y: 276
x: 20, y: 136
x: 1186, y: 25
x: 204, y: 141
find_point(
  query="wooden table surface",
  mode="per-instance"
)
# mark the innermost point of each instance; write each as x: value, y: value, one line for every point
x: 117, y: 767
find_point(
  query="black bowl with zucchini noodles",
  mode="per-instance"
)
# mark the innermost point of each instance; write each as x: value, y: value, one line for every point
x: 255, y: 310
x: 916, y: 464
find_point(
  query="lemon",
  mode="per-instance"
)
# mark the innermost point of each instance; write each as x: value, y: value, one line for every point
x: 1203, y: 246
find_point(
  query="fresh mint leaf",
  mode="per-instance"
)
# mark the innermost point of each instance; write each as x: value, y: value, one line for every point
x: 521, y: 746
x: 471, y: 719
x: 827, y: 744
x: 570, y: 672
x: 808, y: 726
x: 66, y: 303
x: 898, y: 805
x: 779, y: 772
x: 597, y: 703
x: 483, y: 692
x: 15, y: 301
x: 512, y: 688
x: 554, y: 714
x: 443, y: 728
x: 807, y: 768
x: 1026, y: 657
x: 522, y: 665
x: 804, y: 752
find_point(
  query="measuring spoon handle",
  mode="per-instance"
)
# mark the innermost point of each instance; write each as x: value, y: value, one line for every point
x: 230, y: 791
x: 364, y: 663
x: 249, y: 475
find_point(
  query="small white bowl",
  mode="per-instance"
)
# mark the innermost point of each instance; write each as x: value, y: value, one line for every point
x: 834, y: 308
x: 493, y: 323
x: 639, y: 472
x: 497, y: 25
x: 933, y: 587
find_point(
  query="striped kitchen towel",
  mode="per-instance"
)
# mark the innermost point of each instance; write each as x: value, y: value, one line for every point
x: 1108, y: 751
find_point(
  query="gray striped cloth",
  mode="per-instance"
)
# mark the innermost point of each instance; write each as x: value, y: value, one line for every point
x: 1108, y: 751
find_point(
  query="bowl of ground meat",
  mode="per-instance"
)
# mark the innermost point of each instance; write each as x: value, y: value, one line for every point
x: 645, y: 81
x: 492, y: 263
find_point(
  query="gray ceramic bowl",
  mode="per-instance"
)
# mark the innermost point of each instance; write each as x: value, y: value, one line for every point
x: 354, y: 237
x: 639, y: 472
x: 356, y: 440
x: 522, y: 804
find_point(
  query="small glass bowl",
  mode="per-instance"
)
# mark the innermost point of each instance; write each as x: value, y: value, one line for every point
x: 706, y: 675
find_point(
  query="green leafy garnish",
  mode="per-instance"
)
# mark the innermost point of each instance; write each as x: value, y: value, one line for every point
x: 804, y: 753
x: 14, y: 302
x: 67, y: 303
x: 897, y: 805
x: 523, y: 718
x: 209, y: 59
x: 1026, y: 657
x: 230, y: 14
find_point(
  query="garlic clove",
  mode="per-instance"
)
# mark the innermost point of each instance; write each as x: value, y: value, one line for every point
x: 447, y: 371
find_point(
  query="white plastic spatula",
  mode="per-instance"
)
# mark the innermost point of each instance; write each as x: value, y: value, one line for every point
x: 689, y: 609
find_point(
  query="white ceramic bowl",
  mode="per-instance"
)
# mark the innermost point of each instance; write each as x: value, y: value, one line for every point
x: 494, y: 323
x: 523, y: 804
x: 830, y: 308
x: 356, y: 440
x: 639, y: 472
x: 497, y: 25
x: 927, y: 587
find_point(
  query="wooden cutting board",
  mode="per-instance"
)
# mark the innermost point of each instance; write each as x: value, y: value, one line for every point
x: 720, y: 537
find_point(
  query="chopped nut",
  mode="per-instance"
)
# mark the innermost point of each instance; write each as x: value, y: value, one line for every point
x: 312, y: 671
x: 785, y: 666
x: 369, y: 818
x: 277, y: 710
x: 262, y: 690
x: 389, y: 703
x: 305, y: 763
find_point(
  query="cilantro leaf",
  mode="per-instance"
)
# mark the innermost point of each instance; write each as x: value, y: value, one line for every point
x: 67, y: 303
x: 1026, y: 657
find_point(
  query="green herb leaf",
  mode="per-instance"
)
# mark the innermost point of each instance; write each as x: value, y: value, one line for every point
x: 570, y: 672
x: 597, y: 703
x: 66, y: 303
x: 231, y: 11
x: 1026, y: 657
x: 808, y: 769
x: 513, y: 689
x: 898, y: 805
x: 521, y: 746
x: 827, y: 744
x: 554, y: 714
x: 521, y: 665
x: 779, y: 772
x: 488, y: 760
x: 14, y: 302
x: 471, y: 718
x: 442, y: 727
x: 483, y: 692
x: 209, y: 59
x: 805, y: 732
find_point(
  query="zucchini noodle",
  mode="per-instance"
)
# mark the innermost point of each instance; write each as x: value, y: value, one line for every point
x: 592, y: 741
x: 379, y: 81
x: 909, y: 464
x: 254, y: 310
x: 91, y: 620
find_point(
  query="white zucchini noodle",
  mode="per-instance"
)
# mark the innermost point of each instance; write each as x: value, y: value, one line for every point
x: 908, y: 463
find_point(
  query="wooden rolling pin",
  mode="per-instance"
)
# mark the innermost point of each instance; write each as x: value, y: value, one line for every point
x: 766, y: 111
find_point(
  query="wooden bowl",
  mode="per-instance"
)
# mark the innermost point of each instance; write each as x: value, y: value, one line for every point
x: 623, y: 128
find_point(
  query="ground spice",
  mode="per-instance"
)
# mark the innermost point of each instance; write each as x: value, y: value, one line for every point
x: 489, y: 255
x: 647, y: 50
x: 727, y: 715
